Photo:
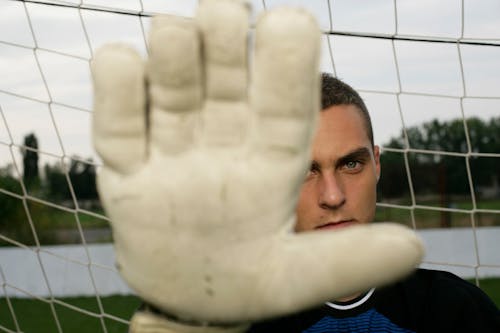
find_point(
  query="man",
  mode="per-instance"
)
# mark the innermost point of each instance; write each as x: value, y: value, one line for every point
x: 203, y: 157
x: 340, y: 191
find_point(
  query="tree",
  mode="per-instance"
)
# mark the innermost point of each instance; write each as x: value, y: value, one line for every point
x: 83, y: 179
x: 82, y: 176
x: 56, y: 185
x: 13, y: 220
x: 445, y: 174
x: 30, y: 160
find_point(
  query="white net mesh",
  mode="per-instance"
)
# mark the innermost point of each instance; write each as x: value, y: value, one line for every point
x: 428, y: 71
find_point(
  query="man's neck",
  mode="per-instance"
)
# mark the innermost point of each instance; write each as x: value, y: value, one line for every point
x: 348, y: 298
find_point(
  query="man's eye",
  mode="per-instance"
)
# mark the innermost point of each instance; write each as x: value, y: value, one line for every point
x: 353, y: 166
x: 313, y: 170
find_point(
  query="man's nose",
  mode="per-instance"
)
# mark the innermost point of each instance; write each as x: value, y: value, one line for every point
x: 331, y: 194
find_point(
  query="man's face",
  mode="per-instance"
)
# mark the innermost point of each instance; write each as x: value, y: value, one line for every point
x: 340, y: 188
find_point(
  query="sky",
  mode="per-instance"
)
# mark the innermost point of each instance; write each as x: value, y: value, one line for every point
x: 367, y: 64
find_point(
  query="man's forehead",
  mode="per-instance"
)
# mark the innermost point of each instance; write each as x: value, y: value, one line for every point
x: 341, y: 132
x: 348, y: 116
x: 343, y: 120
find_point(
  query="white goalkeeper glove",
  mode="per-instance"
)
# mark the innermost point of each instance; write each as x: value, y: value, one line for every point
x: 203, y: 161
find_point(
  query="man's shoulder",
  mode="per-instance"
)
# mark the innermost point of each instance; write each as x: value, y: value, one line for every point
x: 427, y: 286
x: 444, y: 298
x: 432, y: 275
x: 435, y: 283
x: 429, y: 278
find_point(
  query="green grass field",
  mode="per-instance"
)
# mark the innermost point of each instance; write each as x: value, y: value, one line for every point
x: 35, y: 316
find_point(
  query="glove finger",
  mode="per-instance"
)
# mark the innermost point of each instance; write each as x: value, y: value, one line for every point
x: 119, y: 123
x: 175, y: 88
x: 285, y: 85
x: 324, y: 266
x: 224, y: 25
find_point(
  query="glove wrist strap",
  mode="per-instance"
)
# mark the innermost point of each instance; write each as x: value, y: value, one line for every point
x: 148, y: 319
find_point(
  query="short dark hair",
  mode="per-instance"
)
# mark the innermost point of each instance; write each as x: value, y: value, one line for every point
x: 336, y: 92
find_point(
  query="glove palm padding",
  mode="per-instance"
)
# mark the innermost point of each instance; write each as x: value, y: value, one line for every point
x: 202, y: 169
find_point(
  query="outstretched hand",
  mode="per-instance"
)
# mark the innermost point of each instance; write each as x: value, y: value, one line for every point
x: 203, y: 161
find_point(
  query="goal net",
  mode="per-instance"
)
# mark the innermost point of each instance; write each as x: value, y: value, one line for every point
x: 428, y: 71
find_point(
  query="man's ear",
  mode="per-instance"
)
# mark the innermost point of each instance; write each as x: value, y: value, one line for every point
x: 376, y: 157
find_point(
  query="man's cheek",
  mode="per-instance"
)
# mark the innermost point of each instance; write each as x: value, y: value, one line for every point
x: 303, y: 217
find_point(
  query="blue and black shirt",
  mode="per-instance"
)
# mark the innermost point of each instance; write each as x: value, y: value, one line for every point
x: 426, y: 301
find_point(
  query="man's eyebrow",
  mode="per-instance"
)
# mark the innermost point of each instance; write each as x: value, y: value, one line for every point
x: 362, y: 153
